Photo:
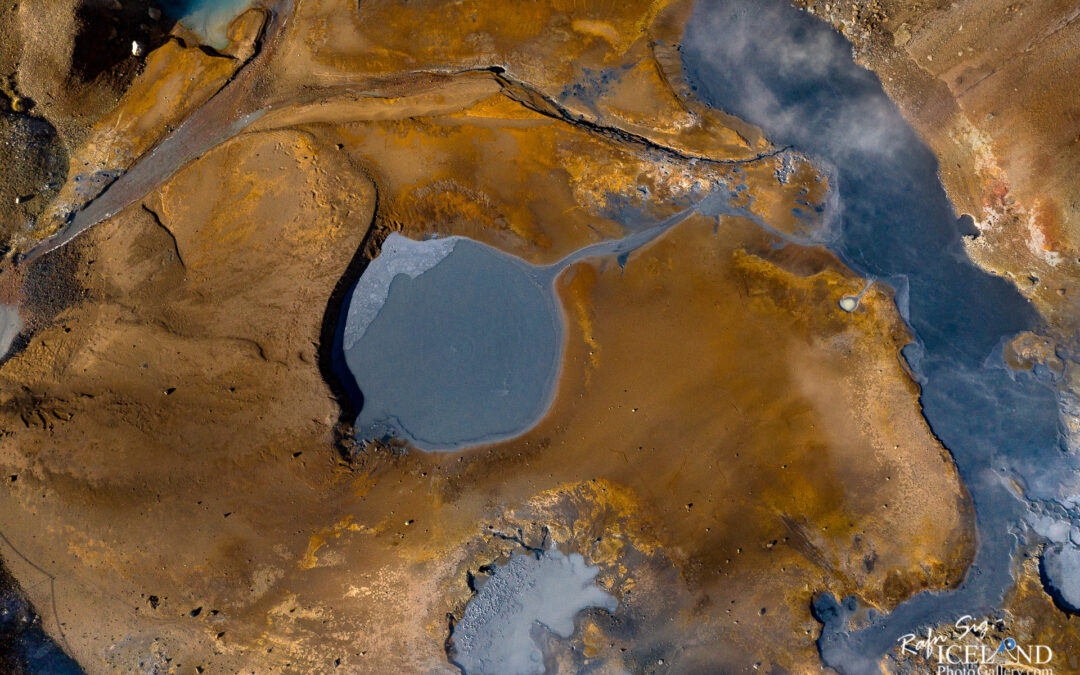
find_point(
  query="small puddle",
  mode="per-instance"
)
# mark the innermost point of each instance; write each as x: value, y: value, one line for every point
x: 209, y: 19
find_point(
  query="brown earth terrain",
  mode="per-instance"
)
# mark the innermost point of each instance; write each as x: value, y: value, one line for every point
x: 725, y: 440
x: 176, y: 400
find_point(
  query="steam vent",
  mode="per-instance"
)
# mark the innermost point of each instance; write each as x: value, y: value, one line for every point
x: 506, y: 337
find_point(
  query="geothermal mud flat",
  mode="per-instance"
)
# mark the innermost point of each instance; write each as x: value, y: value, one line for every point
x: 502, y: 627
x: 605, y: 306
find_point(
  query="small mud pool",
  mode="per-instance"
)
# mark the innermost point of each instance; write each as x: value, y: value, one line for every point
x: 504, y: 627
x: 209, y: 19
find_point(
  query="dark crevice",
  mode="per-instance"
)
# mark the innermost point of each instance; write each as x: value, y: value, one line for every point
x: 172, y: 237
x: 331, y: 354
x: 519, y: 539
x: 448, y: 643
x: 210, y: 51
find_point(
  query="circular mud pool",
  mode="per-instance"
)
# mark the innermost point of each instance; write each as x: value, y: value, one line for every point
x: 452, y: 343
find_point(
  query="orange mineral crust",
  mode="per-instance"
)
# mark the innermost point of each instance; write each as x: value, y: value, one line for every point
x: 545, y: 50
